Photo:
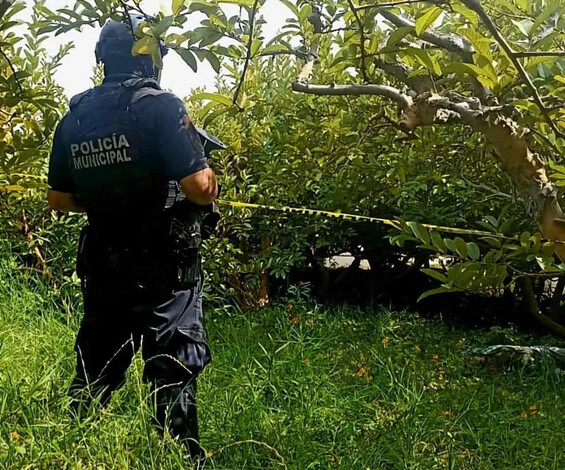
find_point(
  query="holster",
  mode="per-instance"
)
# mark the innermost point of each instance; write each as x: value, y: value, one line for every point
x: 185, y: 240
x: 210, y: 218
x: 185, y: 235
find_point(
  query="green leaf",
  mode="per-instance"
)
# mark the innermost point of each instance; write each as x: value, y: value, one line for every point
x: 435, y: 274
x: 460, y: 247
x: 13, y: 10
x: 305, y: 12
x: 486, y: 67
x: 11, y: 188
x: 525, y: 239
x: 547, y: 249
x: 255, y: 46
x: 213, y: 60
x: 480, y: 43
x: 210, y: 38
x: 398, y: 35
x: 243, y: 3
x: 427, y: 19
x: 156, y: 56
x: 466, y: 12
x: 292, y: 7
x: 439, y: 290
x: 474, y: 251
x: 144, y: 45
x: 420, y: 232
x: 176, y: 6
x: 437, y: 241
x: 188, y: 57
x: 8, y: 24
x: 426, y: 59
x: 274, y: 49
x: 163, y: 25
x: 212, y: 97
x: 525, y: 26
x: 460, y: 67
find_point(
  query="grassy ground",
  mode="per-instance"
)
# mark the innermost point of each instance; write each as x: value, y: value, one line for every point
x: 297, y: 386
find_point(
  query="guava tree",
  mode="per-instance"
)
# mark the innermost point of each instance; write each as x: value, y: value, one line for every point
x: 492, y: 72
x: 31, y: 104
x: 494, y: 66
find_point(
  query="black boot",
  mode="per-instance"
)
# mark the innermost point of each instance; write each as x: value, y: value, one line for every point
x: 177, y: 412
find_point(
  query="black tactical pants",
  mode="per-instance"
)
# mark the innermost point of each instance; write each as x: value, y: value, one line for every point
x: 122, y: 315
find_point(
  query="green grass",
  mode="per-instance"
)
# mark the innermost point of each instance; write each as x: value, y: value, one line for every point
x: 296, y: 385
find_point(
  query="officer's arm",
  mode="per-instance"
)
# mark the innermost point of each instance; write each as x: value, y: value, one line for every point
x: 60, y: 196
x: 200, y: 187
x: 182, y: 157
x: 64, y: 202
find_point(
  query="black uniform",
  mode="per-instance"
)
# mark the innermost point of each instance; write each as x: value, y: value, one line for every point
x: 121, y: 150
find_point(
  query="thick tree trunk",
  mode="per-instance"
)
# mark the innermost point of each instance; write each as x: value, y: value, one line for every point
x: 524, y: 167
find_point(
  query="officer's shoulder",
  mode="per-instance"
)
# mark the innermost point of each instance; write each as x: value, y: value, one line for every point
x: 77, y: 98
x: 159, y: 100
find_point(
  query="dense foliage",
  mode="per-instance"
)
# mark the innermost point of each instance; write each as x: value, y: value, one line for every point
x: 345, y: 153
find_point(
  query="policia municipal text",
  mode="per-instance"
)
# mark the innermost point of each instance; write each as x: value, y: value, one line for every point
x: 127, y: 154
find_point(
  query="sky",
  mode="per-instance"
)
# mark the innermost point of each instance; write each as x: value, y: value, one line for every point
x: 76, y: 69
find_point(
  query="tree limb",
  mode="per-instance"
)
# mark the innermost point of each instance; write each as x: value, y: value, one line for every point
x: 451, y: 42
x: 401, y: 72
x: 13, y: 70
x: 355, y: 90
x: 477, y: 8
x: 306, y: 73
x: 361, y: 38
x: 531, y: 301
x: 248, y: 54
x: 540, y: 54
x: 392, y: 4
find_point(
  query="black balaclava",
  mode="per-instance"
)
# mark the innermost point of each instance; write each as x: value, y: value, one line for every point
x: 113, y: 49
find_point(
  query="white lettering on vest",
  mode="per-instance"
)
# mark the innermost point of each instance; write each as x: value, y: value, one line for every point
x: 90, y: 153
x: 123, y: 142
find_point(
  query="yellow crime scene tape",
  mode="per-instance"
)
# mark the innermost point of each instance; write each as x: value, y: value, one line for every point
x: 363, y: 218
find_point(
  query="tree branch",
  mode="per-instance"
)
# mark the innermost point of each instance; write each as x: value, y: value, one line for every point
x: 306, y: 73
x: 362, y: 40
x: 392, y: 4
x: 477, y: 8
x: 531, y: 301
x: 13, y: 70
x: 540, y: 54
x: 451, y: 43
x: 248, y: 54
x: 355, y: 90
x: 401, y: 72
x: 441, y: 109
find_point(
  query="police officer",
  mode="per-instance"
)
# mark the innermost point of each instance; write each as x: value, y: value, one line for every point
x: 126, y: 153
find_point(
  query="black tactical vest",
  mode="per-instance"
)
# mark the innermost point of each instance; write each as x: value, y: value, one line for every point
x: 111, y: 156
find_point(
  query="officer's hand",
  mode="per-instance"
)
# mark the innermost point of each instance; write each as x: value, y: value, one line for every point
x: 65, y: 202
x: 200, y: 187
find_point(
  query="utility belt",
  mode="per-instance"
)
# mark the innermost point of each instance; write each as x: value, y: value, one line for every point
x: 167, y: 256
